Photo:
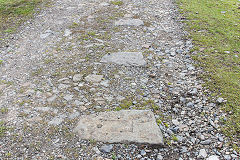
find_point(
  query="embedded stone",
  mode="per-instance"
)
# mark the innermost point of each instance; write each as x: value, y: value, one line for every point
x: 129, y: 22
x: 125, y: 58
x: 125, y: 126
x: 94, y: 78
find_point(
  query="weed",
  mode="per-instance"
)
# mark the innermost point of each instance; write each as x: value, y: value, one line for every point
x: 174, y: 138
x: 166, y: 125
x: 114, y: 156
x: 37, y: 72
x: 3, y: 128
x: 4, y: 110
x: 118, y: 3
x: 159, y: 122
x: 47, y: 61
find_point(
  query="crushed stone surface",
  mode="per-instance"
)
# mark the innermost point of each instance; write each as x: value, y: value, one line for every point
x: 52, y: 74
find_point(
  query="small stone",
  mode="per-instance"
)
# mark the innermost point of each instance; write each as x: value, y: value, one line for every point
x: 190, y: 104
x: 67, y: 33
x: 46, y: 34
x: 179, y: 51
x: 68, y: 97
x: 134, y: 102
x: 57, y: 120
x: 77, y: 77
x: 206, y: 142
x: 94, y: 78
x: 129, y: 22
x: 227, y: 52
x: 159, y: 157
x: 96, y: 150
x: 78, y: 103
x: 74, y: 115
x: 104, y: 4
x: 63, y: 86
x: 106, y: 148
x: 51, y: 99
x: 203, y: 153
x: 152, y: 75
x: 146, y: 46
x: 234, y: 156
x: 193, y: 91
x: 220, y: 145
x: 220, y: 100
x: 43, y: 109
x: 227, y: 157
x: 143, y: 152
x: 183, y: 127
x: 175, y: 122
x: 172, y: 54
x: 105, y: 83
x: 139, y: 156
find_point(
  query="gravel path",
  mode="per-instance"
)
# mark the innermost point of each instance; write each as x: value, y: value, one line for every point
x: 53, y: 71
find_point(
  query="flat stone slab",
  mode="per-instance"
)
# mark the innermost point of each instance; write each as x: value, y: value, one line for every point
x: 129, y: 22
x: 94, y: 78
x: 125, y: 58
x: 125, y: 126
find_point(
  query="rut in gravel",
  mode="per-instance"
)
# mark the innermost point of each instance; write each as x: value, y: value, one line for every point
x: 82, y: 57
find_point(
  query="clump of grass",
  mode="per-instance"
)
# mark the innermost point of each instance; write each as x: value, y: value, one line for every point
x: 4, y: 110
x: 214, y: 29
x: 3, y: 128
x: 13, y: 12
x: 174, y: 138
x: 118, y: 3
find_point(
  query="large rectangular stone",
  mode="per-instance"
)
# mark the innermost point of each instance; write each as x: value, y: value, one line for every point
x: 125, y: 126
x: 125, y: 58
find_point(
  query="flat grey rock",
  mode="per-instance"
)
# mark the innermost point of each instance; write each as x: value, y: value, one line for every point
x: 43, y: 109
x: 125, y: 58
x: 57, y: 120
x: 94, y: 78
x: 68, y: 97
x: 125, y: 126
x: 67, y: 32
x: 129, y: 22
x: 213, y: 157
x: 106, y: 148
x: 77, y: 77
x: 52, y: 98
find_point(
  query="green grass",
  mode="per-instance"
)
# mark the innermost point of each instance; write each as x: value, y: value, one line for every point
x: 215, y: 30
x: 3, y: 128
x: 118, y: 3
x: 14, y: 12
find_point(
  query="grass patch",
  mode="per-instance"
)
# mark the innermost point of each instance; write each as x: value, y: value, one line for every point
x: 3, y: 128
x: 117, y: 3
x: 4, y: 110
x: 215, y: 30
x: 14, y: 12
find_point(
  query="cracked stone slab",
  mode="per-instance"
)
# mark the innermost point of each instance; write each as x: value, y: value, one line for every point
x: 125, y: 58
x: 125, y: 126
x: 129, y: 22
